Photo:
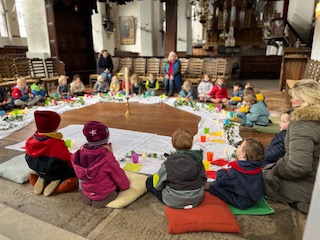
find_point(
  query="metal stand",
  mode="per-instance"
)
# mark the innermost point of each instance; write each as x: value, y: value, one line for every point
x: 127, y: 114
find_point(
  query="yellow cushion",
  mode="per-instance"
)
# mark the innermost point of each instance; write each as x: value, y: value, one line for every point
x: 137, y: 189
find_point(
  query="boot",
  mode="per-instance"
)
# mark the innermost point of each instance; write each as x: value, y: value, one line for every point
x: 51, y: 187
x: 39, y: 186
x: 33, y: 179
x: 67, y: 185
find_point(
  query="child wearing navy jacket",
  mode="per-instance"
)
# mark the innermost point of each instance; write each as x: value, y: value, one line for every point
x: 276, y: 149
x: 242, y: 184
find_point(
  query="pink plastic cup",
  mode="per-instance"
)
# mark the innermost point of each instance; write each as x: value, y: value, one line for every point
x: 135, y: 158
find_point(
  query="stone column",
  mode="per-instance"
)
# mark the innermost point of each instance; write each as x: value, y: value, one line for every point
x: 36, y: 29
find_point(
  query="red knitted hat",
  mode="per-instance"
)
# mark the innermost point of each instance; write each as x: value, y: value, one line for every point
x: 46, y: 121
x: 96, y: 133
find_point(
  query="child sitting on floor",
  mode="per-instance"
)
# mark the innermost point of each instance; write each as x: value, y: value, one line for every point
x: 180, y: 180
x: 114, y: 85
x: 136, y: 84
x: 63, y: 88
x: 258, y: 113
x: 187, y: 90
x: 77, y: 87
x: 21, y: 95
x: 152, y: 86
x: 123, y: 86
x: 219, y: 92
x: 205, y: 88
x: 276, y: 149
x: 237, y: 94
x: 242, y: 185
x: 259, y: 95
x: 4, y: 105
x: 99, y: 173
x: 38, y: 89
x: 48, y: 155
x: 101, y: 85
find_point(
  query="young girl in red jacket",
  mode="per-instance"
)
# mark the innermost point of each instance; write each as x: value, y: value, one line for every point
x: 219, y: 92
x: 99, y: 173
x: 48, y: 155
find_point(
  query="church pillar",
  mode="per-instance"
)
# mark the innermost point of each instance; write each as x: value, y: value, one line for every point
x: 171, y: 26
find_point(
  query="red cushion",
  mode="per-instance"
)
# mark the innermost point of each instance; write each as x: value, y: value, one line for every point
x: 212, y: 215
x: 211, y: 174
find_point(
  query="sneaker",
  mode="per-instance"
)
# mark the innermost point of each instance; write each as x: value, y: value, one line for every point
x: 246, y: 129
x: 39, y: 186
x: 51, y: 187
x: 301, y: 206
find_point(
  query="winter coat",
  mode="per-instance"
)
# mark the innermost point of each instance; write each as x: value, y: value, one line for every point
x: 49, y: 157
x: 104, y: 63
x: 77, y: 87
x: 258, y: 114
x: 99, y: 173
x: 276, y: 148
x: 181, y: 179
x: 292, y: 177
x: 240, y: 186
x: 204, y: 88
x: 101, y: 86
x: 22, y: 94
x: 219, y: 92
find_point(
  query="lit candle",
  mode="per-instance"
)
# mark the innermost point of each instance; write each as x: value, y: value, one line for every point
x: 225, y: 153
x: 126, y: 76
x: 144, y: 156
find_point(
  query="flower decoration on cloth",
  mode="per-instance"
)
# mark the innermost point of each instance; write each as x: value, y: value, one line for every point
x: 96, y: 133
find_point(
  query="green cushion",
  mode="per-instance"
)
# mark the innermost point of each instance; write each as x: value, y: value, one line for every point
x: 261, y: 208
x: 271, y: 128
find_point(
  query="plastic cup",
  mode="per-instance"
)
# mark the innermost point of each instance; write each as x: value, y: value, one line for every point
x: 206, y: 130
x: 68, y: 143
x: 202, y: 138
x: 210, y: 156
x: 135, y: 158
x: 206, y: 164
x: 227, y: 121
x: 2, y: 112
x: 231, y: 114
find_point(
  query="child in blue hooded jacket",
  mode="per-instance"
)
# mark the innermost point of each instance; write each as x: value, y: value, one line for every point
x: 242, y: 184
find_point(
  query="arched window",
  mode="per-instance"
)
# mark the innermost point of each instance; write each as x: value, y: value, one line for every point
x: 3, y: 23
x: 22, y: 27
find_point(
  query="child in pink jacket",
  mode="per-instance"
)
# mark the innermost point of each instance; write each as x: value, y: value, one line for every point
x: 99, y: 173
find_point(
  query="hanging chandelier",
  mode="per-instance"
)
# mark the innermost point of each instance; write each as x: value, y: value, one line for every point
x: 203, y: 10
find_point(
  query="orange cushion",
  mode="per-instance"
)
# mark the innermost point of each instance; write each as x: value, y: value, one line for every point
x: 212, y: 215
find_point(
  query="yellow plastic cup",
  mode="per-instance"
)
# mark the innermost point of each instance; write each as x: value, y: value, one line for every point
x: 206, y: 164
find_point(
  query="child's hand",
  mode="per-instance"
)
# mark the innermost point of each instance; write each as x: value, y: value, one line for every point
x: 30, y: 95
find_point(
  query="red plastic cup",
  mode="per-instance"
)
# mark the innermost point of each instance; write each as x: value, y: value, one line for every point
x: 202, y: 138
x: 210, y: 156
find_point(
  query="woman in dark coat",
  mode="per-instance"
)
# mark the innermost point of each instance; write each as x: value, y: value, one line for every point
x: 105, y: 65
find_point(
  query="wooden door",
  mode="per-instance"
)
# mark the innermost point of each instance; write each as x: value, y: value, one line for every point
x: 70, y: 36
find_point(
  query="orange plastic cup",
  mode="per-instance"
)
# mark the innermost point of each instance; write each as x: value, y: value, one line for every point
x: 202, y: 138
x: 210, y: 156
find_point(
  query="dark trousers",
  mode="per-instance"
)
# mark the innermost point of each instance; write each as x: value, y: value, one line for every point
x: 149, y: 184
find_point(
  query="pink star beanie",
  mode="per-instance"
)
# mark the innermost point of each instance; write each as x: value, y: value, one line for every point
x: 96, y: 133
